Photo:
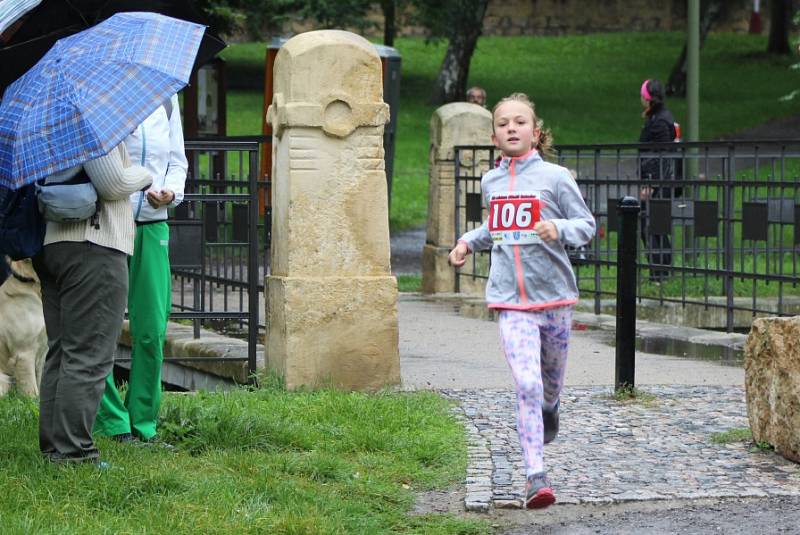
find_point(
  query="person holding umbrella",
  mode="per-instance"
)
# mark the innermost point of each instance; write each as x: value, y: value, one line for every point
x: 67, y: 115
x: 157, y: 144
x: 83, y: 271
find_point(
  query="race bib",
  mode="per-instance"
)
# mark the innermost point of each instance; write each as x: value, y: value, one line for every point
x: 512, y: 217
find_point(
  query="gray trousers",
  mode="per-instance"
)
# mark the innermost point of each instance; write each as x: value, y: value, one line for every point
x: 84, y: 290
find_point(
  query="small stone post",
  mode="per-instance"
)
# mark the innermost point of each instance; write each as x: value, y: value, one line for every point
x: 331, y: 299
x: 458, y: 123
x: 772, y: 383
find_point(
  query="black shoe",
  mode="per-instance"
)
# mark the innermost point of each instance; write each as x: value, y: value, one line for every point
x: 156, y: 442
x: 61, y: 459
x: 550, y: 421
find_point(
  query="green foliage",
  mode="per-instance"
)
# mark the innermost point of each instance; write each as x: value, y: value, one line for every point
x: 339, y: 13
x: 257, y: 17
x: 794, y: 66
x: 258, y: 461
x: 739, y: 434
x: 260, y: 18
x: 761, y: 446
x: 409, y: 283
x: 629, y: 393
x: 446, y: 18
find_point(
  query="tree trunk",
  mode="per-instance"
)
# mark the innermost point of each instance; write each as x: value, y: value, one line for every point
x: 451, y: 83
x: 676, y: 84
x: 389, y: 29
x: 779, y: 19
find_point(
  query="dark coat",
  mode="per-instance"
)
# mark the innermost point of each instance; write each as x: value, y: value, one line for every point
x: 659, y: 127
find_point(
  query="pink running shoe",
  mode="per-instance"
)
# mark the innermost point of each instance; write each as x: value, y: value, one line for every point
x: 538, y: 493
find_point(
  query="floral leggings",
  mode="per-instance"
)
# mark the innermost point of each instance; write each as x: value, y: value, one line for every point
x: 535, y: 344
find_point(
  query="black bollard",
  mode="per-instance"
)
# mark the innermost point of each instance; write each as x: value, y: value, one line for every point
x: 627, y: 244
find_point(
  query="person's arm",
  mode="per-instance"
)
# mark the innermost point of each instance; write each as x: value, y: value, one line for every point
x: 113, y: 179
x: 478, y: 239
x: 175, y: 180
x: 578, y: 225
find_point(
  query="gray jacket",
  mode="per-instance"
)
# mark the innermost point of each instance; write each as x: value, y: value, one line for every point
x: 528, y: 274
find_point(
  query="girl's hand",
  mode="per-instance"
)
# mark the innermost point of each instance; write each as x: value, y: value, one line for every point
x: 458, y: 256
x: 546, y: 230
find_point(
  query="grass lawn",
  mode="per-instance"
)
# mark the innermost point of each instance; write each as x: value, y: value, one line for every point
x: 586, y: 88
x: 262, y: 461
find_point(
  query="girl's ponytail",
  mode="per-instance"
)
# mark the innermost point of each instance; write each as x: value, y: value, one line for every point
x: 545, y: 143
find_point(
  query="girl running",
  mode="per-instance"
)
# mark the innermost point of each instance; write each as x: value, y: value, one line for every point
x: 535, y: 210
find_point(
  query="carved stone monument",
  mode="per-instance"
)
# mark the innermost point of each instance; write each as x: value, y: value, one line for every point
x: 772, y: 383
x: 331, y: 298
x: 458, y: 123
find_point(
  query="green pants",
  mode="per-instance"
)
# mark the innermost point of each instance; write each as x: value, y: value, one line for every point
x: 149, y: 302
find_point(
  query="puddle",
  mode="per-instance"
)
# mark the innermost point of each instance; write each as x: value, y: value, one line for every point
x: 726, y: 356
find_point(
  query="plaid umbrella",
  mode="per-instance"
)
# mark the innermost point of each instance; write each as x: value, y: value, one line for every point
x: 27, y: 42
x: 90, y: 91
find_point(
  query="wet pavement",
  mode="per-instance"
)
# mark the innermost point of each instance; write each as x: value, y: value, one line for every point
x: 406, y: 248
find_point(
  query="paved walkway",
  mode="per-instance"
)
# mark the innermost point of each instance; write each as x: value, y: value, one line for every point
x: 607, y: 451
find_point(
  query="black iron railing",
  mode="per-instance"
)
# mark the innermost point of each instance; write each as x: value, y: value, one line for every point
x: 219, y: 242
x: 720, y: 221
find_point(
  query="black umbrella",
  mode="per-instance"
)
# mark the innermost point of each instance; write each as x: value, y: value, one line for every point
x: 53, y: 19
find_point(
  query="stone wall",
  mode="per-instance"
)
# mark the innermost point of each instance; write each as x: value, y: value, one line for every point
x: 566, y: 17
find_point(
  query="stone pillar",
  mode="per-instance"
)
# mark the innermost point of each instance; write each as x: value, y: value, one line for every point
x: 458, y: 123
x: 331, y: 299
x: 772, y: 383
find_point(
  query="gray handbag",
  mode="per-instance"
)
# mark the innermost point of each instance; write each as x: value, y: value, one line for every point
x: 67, y: 197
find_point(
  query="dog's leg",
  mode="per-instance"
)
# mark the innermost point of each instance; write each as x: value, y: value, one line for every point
x: 26, y: 373
x: 41, y: 353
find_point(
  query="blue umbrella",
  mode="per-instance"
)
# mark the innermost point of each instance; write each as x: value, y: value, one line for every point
x: 90, y: 91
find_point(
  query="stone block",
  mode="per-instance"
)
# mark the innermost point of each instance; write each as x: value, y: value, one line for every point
x: 437, y: 275
x: 339, y: 331
x: 772, y: 383
x: 458, y: 123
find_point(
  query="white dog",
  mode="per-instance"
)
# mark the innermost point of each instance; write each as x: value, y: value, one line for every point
x: 23, y: 340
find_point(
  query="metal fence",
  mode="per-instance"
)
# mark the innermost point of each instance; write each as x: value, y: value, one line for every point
x: 219, y: 241
x: 719, y: 229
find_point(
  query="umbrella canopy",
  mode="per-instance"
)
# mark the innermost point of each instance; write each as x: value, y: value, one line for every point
x: 55, y: 19
x: 12, y: 10
x: 90, y: 91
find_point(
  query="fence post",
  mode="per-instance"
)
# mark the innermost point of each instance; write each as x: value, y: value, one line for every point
x: 457, y: 123
x: 727, y: 232
x: 331, y: 297
x: 627, y: 242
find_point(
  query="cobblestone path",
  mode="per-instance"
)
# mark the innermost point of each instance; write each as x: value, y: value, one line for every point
x: 609, y: 451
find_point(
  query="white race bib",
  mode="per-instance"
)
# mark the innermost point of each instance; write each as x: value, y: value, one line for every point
x: 512, y: 217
